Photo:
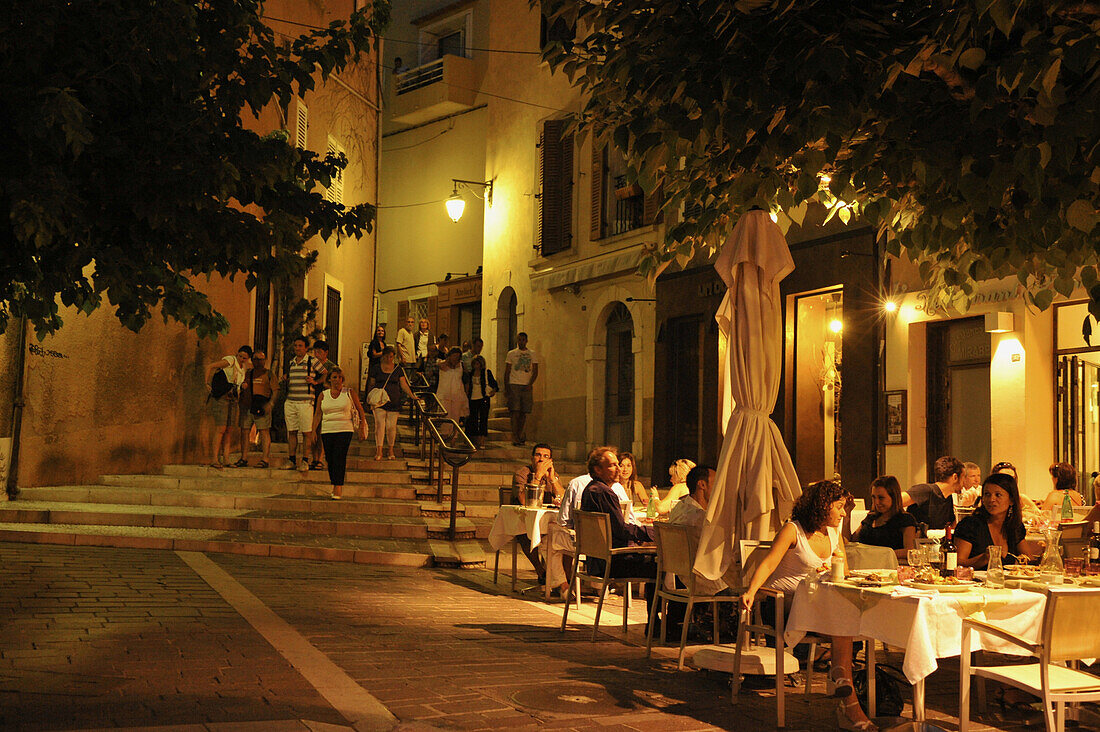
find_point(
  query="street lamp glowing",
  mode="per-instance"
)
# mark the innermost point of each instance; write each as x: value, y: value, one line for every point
x: 836, y: 325
x: 455, y: 206
x: 890, y: 306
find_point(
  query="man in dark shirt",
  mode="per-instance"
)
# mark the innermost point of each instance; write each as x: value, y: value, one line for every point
x: 930, y: 503
x: 603, y: 466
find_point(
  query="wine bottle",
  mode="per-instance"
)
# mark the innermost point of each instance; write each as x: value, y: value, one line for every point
x: 950, y: 553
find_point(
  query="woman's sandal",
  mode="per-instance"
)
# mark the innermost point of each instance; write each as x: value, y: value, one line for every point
x: 261, y: 464
x: 242, y: 463
x: 839, y: 683
x: 316, y: 465
x: 217, y: 466
x: 843, y: 722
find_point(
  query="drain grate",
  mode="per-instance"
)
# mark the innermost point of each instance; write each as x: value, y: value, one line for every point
x: 576, y: 697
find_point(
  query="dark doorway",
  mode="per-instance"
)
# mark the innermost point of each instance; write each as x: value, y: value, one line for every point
x: 959, y: 420
x: 619, y: 383
x: 685, y: 337
x: 261, y: 323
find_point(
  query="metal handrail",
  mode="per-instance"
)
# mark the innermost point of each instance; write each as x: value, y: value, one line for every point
x: 421, y: 76
x: 455, y: 455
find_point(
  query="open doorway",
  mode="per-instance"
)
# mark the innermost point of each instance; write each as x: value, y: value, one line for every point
x: 959, y: 422
x: 507, y: 325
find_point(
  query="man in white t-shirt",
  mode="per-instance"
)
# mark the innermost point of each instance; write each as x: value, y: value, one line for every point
x: 521, y: 369
x: 223, y: 404
x: 406, y: 350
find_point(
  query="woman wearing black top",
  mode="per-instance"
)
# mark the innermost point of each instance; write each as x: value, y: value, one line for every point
x: 480, y: 388
x: 997, y: 521
x: 887, y: 525
x: 374, y: 350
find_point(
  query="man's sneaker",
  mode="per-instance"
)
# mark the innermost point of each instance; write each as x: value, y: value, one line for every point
x: 290, y: 466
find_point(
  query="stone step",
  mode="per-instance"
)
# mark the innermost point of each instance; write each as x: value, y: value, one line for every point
x: 222, y: 519
x: 403, y: 552
x: 314, y: 483
x: 393, y: 476
x: 466, y: 494
x: 96, y: 494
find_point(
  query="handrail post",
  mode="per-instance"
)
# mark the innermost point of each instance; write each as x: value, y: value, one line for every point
x: 454, y: 497
x: 439, y: 477
x: 431, y: 461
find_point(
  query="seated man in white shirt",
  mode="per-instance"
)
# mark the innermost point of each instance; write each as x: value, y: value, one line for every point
x: 691, y: 510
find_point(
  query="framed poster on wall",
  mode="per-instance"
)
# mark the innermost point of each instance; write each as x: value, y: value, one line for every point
x: 896, y: 417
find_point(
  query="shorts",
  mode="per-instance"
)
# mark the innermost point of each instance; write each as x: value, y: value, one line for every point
x: 519, y: 398
x: 224, y: 410
x: 263, y: 422
x: 299, y: 417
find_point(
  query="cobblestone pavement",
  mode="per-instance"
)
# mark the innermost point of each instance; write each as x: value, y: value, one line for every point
x: 105, y: 638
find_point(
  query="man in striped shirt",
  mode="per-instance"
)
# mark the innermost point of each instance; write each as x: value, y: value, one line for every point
x: 298, y: 409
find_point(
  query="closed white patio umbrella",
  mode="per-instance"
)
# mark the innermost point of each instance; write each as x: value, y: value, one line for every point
x: 755, y: 482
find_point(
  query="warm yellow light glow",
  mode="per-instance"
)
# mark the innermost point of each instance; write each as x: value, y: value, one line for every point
x: 836, y: 325
x: 774, y: 217
x: 455, y: 206
x: 890, y: 306
x: 826, y: 179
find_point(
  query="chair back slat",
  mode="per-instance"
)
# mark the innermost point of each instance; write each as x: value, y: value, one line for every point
x: 753, y: 552
x: 1070, y: 630
x: 593, y: 534
x: 676, y: 550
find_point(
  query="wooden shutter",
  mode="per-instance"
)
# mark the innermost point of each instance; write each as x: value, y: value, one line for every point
x: 651, y: 213
x: 402, y: 313
x: 596, y: 223
x: 301, y: 131
x: 335, y: 192
x: 433, y: 313
x: 556, y: 198
x: 332, y: 323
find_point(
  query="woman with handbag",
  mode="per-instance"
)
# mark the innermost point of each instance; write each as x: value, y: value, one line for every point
x: 338, y: 413
x: 388, y: 386
x: 480, y: 388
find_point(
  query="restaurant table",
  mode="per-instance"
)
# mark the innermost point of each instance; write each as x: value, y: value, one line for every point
x: 927, y: 624
x: 514, y: 520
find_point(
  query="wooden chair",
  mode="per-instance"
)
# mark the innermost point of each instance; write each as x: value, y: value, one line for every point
x: 676, y: 548
x: 868, y: 556
x: 593, y: 532
x: 504, y: 498
x: 1074, y: 539
x: 1068, y: 633
x: 752, y: 553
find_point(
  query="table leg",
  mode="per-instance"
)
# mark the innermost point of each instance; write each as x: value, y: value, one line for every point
x: 872, y: 697
x: 918, y: 701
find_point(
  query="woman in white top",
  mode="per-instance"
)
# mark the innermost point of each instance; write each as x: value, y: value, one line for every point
x: 335, y: 411
x: 451, y: 392
x: 805, y: 544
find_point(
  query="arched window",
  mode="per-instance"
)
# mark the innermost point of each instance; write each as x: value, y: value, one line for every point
x: 619, y: 381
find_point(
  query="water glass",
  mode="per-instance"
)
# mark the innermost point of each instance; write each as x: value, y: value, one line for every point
x: 915, y: 558
x: 995, y: 573
x: 1072, y: 566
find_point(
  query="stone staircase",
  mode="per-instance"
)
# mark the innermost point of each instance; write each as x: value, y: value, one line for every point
x: 389, y: 515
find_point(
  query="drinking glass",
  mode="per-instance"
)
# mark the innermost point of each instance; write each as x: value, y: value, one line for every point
x: 915, y: 558
x: 995, y: 573
x: 1073, y: 566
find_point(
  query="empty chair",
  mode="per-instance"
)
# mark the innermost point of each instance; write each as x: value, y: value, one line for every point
x: 504, y: 498
x: 1068, y: 633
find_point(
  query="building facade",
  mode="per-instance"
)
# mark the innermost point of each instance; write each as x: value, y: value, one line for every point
x: 101, y: 399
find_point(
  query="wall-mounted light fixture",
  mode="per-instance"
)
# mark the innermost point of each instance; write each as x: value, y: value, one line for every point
x: 455, y: 204
x: 1001, y: 322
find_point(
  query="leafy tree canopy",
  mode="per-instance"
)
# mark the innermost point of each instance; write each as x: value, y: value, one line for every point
x: 964, y: 130
x: 126, y: 170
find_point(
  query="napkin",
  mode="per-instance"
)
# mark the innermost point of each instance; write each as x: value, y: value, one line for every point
x: 903, y: 591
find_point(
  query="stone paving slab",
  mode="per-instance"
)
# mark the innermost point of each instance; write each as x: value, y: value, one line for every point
x: 103, y: 638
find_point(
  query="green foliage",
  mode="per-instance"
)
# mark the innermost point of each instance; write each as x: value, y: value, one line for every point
x: 965, y: 132
x: 127, y: 173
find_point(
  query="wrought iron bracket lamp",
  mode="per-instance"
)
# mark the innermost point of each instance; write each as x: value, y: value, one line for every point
x: 455, y: 204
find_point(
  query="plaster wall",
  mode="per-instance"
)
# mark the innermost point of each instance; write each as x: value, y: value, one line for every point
x: 420, y: 244
x: 1021, y: 386
x: 566, y: 323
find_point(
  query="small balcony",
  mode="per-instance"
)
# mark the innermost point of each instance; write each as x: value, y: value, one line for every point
x: 435, y: 89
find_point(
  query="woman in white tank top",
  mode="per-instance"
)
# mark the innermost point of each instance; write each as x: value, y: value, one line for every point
x: 807, y: 544
x: 335, y: 412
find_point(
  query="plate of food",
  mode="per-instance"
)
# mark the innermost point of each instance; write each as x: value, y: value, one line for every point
x: 1021, y: 571
x: 877, y: 578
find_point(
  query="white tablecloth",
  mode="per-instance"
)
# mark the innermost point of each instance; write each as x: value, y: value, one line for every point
x: 514, y: 520
x: 927, y: 625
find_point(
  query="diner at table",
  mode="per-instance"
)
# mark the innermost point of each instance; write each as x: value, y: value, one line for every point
x: 998, y: 521
x: 806, y: 545
x: 538, y: 476
x: 887, y: 524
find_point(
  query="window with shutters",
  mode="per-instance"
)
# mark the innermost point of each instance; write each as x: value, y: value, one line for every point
x: 301, y: 127
x: 618, y: 206
x: 335, y: 192
x: 555, y: 205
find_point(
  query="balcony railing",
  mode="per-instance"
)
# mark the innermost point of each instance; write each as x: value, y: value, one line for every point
x: 628, y: 214
x: 419, y: 77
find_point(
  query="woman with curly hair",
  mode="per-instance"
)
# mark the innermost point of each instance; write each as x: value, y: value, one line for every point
x: 805, y: 544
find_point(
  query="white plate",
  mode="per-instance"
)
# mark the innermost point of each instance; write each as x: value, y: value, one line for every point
x: 961, y: 587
